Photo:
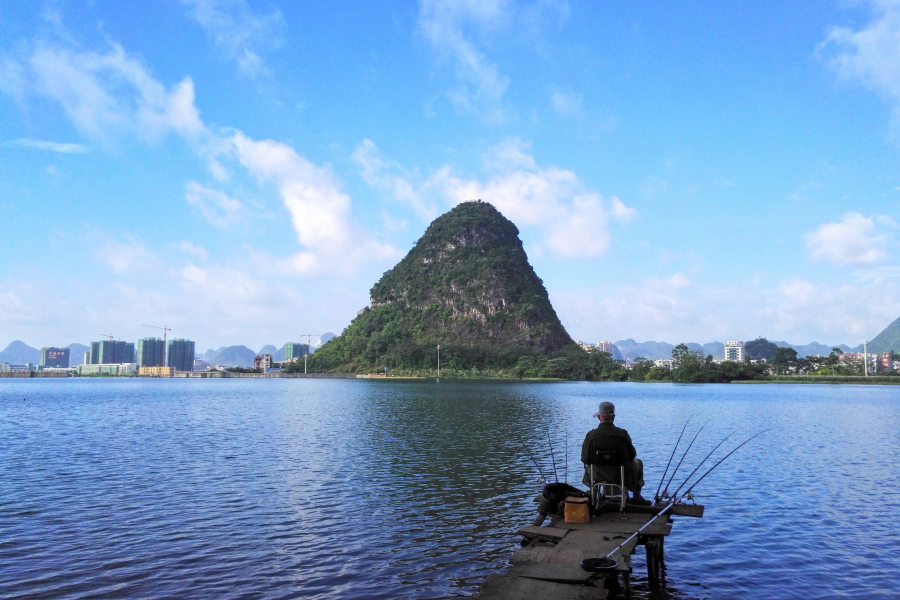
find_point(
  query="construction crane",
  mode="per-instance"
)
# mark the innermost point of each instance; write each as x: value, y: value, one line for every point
x: 165, y: 330
x: 107, y: 335
x: 308, y: 337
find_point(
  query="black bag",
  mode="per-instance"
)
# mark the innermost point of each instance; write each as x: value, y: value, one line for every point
x: 554, y: 495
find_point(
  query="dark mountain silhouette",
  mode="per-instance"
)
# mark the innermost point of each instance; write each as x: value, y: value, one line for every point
x: 466, y: 285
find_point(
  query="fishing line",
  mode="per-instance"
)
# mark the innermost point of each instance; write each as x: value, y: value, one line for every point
x: 552, y: 456
x: 567, y: 455
x: 697, y: 468
x: 525, y: 448
x: 671, y: 456
x: 682, y: 459
x: 722, y: 459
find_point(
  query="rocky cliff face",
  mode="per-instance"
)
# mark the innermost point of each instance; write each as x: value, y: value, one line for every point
x: 466, y: 285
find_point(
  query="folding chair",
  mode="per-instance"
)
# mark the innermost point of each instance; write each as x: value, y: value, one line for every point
x: 610, y: 459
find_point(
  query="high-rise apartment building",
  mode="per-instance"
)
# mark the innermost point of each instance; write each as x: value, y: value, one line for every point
x: 734, y: 351
x: 109, y: 352
x: 180, y: 355
x: 151, y: 352
x: 605, y: 346
x: 55, y: 357
x: 294, y: 351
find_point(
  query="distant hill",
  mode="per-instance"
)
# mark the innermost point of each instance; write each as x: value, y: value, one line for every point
x: 324, y: 338
x: 233, y: 356
x: 76, y: 354
x: 20, y: 353
x: 889, y: 339
x: 466, y: 285
x: 268, y: 349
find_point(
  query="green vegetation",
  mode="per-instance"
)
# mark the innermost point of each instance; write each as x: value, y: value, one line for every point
x: 759, y: 349
x: 889, y: 339
x: 467, y: 286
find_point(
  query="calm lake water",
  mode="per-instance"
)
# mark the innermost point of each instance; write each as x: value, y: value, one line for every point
x: 372, y: 489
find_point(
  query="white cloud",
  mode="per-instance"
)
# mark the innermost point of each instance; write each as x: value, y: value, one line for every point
x: 216, y: 206
x: 319, y: 209
x: 194, y: 250
x: 567, y: 104
x: 112, y: 94
x: 61, y: 147
x: 127, y: 257
x: 239, y: 31
x: 379, y: 171
x: 105, y: 95
x: 870, y: 55
x: 443, y: 23
x: 854, y: 240
x: 678, y: 309
x: 569, y: 219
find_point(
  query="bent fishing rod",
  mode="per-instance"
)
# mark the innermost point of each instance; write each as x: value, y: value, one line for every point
x: 697, y: 468
x: 690, y: 489
x: 671, y: 456
x: 666, y: 491
x: 671, y: 504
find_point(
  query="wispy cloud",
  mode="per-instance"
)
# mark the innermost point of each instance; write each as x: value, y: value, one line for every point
x: 443, y: 23
x: 853, y: 241
x: 61, y: 147
x: 869, y: 55
x: 106, y: 95
x: 568, y: 219
x: 238, y: 30
x: 217, y: 207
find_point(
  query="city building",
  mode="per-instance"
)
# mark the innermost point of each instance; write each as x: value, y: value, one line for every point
x: 110, y: 352
x: 663, y: 362
x: 180, y: 355
x: 262, y: 361
x: 55, y: 357
x: 585, y: 346
x: 886, y: 361
x: 604, y: 346
x: 156, y: 371
x: 87, y: 358
x: 200, y: 364
x: 734, y: 351
x: 151, y: 352
x: 110, y: 370
x: 293, y: 351
x: 4, y: 367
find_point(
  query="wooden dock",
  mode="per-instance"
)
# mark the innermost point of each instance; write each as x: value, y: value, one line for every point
x: 549, y: 567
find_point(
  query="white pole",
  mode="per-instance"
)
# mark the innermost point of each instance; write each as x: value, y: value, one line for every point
x: 439, y: 360
x: 865, y: 358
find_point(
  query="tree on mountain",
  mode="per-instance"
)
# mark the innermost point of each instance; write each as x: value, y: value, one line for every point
x: 760, y: 348
x: 785, y: 358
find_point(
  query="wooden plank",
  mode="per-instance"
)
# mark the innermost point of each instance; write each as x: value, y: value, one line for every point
x: 547, y: 533
x: 508, y: 587
x: 558, y: 573
x: 679, y: 510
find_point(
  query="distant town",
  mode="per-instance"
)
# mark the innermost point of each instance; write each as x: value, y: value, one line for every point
x: 162, y: 357
x: 149, y: 357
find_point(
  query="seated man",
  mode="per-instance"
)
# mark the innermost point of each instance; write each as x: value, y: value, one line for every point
x: 608, y: 435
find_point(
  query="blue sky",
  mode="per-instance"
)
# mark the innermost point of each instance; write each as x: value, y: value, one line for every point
x: 245, y: 171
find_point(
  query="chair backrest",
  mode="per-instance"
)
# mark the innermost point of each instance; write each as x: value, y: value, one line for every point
x: 608, y: 456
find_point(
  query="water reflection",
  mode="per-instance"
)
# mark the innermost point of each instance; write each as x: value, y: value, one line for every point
x: 378, y: 489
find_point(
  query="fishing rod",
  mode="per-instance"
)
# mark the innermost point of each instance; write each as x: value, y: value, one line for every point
x: 525, y: 448
x: 659, y: 487
x: 666, y: 491
x: 567, y: 456
x: 552, y: 456
x: 690, y: 489
x: 697, y: 468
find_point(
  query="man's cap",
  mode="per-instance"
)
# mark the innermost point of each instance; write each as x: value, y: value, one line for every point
x: 607, y: 409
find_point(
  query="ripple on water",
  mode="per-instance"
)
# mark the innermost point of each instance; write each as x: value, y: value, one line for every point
x: 352, y: 489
